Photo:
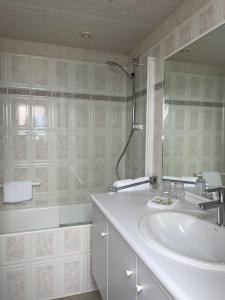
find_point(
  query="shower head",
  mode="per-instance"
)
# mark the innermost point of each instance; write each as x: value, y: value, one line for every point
x: 115, y: 64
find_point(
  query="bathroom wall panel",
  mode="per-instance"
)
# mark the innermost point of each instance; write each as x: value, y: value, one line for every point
x: 18, y: 71
x: 57, y: 266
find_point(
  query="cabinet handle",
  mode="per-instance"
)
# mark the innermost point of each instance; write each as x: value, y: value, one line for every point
x: 103, y: 234
x: 129, y: 273
x: 139, y: 288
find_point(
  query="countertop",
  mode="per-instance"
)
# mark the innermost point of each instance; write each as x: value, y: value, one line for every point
x: 183, y: 281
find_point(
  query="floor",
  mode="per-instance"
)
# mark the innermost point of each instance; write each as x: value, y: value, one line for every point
x: 88, y: 296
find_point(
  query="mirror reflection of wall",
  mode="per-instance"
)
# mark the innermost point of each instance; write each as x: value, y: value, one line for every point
x: 194, y: 127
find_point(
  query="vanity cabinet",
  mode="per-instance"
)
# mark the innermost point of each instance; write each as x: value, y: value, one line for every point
x: 118, y: 272
x: 147, y: 286
x: 99, y: 237
x: 122, y: 268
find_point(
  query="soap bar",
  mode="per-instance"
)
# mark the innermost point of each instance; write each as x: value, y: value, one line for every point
x: 162, y: 201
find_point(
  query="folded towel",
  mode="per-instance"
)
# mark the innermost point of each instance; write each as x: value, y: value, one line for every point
x: 17, y: 191
x: 142, y: 187
x: 121, y: 183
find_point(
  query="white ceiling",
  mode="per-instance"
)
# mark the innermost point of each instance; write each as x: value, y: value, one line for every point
x: 118, y: 25
x: 208, y: 50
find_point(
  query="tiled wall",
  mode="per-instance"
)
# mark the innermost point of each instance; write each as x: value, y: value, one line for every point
x: 62, y: 124
x: 193, y: 123
x: 46, y: 264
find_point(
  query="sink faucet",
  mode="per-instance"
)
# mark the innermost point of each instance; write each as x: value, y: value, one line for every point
x: 219, y: 204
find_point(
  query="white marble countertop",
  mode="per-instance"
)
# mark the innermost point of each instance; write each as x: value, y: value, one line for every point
x: 183, y: 281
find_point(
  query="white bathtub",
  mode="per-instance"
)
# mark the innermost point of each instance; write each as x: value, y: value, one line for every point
x: 37, y: 218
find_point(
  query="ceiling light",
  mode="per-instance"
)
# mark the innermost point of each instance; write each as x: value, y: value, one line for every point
x: 87, y: 35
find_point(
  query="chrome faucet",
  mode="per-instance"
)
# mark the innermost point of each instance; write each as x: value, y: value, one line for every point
x: 219, y: 204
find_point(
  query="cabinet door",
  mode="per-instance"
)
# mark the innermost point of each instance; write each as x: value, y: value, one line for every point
x: 147, y: 286
x: 99, y: 252
x: 121, y: 268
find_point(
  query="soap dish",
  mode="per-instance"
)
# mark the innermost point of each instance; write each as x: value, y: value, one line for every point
x: 162, y: 203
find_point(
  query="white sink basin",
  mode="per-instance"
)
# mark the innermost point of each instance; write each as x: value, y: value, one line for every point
x: 185, y: 237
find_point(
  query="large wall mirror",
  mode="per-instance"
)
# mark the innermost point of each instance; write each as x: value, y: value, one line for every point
x: 194, y: 102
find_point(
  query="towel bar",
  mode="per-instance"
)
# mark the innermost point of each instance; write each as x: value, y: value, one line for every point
x: 33, y: 184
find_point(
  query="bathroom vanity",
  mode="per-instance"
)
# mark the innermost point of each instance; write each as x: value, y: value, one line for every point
x: 126, y: 266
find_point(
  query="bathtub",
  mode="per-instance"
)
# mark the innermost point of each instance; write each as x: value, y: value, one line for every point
x: 36, y: 218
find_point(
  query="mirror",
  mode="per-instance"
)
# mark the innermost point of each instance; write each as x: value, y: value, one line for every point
x: 194, y: 101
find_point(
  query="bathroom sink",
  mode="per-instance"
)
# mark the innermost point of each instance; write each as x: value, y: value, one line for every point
x: 185, y: 237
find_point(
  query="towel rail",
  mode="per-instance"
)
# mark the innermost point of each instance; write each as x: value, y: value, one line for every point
x: 34, y: 184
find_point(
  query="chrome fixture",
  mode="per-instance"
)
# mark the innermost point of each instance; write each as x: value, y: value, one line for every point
x: 134, y: 125
x: 115, y: 64
x: 219, y: 204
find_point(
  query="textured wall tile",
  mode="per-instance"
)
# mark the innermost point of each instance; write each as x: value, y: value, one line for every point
x: 71, y: 276
x: 21, y: 173
x: 20, y: 113
x: 18, y: 70
x: 81, y: 146
x: 100, y: 79
x: 62, y: 75
x: 117, y: 145
x: 100, y: 111
x: 82, y: 78
x: 118, y: 113
x: 80, y: 179
x: 71, y: 240
x: 40, y: 113
x: 99, y: 176
x: 20, y: 146
x: 40, y: 73
x: 100, y: 147
x: 45, y: 280
x: 82, y: 118
x: 62, y: 178
x: 41, y: 146
x: 179, y: 119
x: 16, y: 283
x: 44, y: 244
x: 41, y: 175
x: 62, y: 146
x: 194, y: 119
x: 15, y: 249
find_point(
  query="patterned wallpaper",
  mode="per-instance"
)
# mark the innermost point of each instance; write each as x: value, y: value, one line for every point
x: 193, y: 123
x: 62, y: 123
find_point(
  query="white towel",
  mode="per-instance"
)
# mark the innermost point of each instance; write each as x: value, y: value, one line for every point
x: 142, y: 187
x: 121, y: 183
x: 17, y: 191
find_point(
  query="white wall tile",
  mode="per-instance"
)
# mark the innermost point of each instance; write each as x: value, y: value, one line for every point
x: 18, y: 70
x: 3, y: 70
x: 45, y: 280
x: 15, y: 249
x: 71, y: 240
x: 44, y: 244
x: 16, y: 282
x: 41, y: 73
x: 71, y: 275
